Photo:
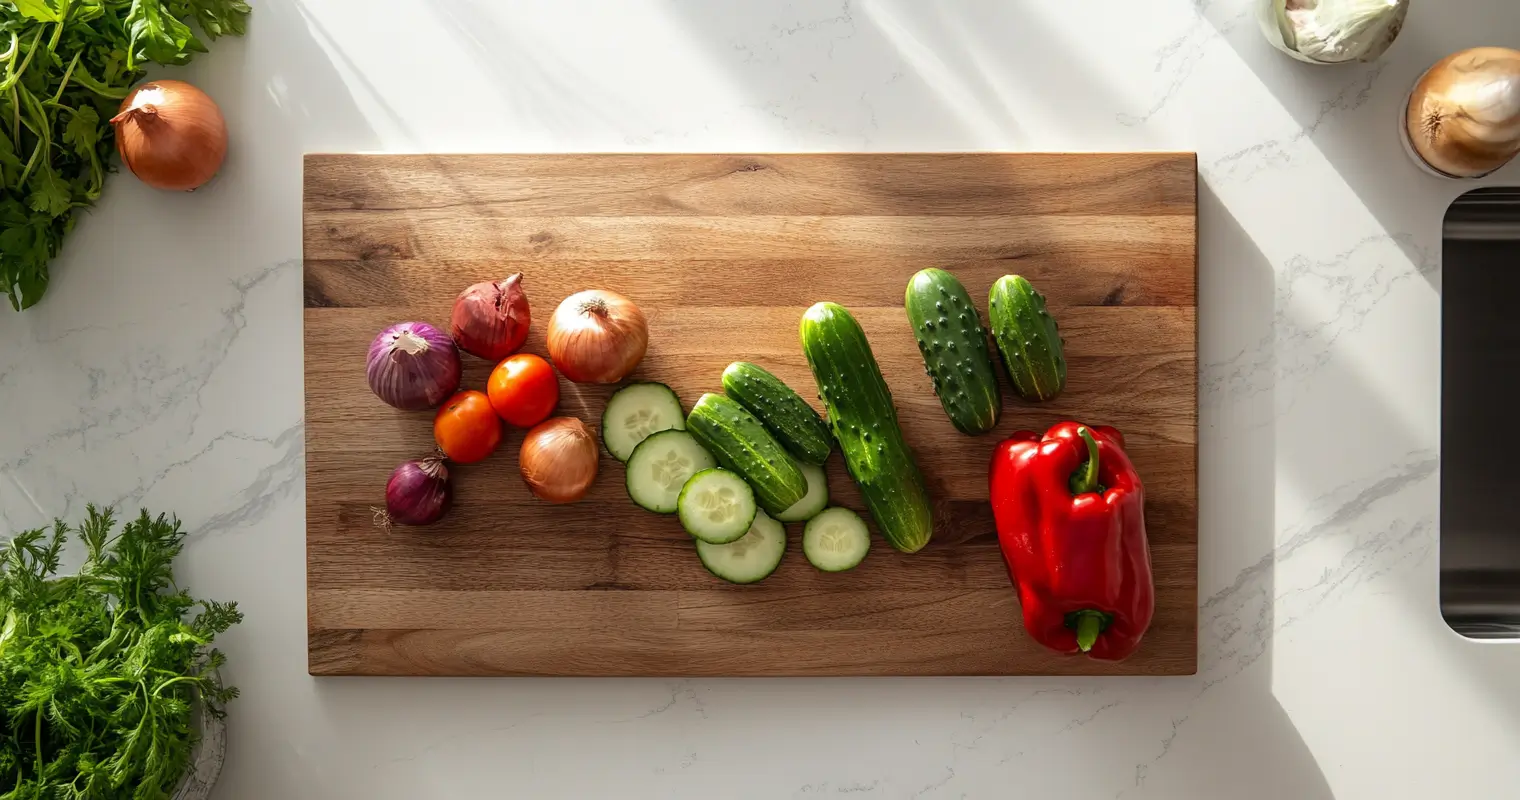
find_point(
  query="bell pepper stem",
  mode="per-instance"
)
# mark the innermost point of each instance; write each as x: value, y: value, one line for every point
x: 1085, y: 479
x: 1089, y: 625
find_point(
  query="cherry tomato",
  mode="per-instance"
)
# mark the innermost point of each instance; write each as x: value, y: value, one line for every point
x: 466, y: 428
x: 523, y: 390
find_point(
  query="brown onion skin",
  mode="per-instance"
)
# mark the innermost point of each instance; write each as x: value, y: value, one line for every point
x: 171, y: 135
x: 1458, y: 140
x: 491, y: 319
x: 597, y: 336
x: 559, y: 460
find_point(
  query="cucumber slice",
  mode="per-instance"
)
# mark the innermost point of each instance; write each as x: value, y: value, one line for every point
x: 814, y: 501
x: 716, y: 506
x: 835, y: 540
x: 661, y: 465
x: 636, y: 412
x: 753, y: 557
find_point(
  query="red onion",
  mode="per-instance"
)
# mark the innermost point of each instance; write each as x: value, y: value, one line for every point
x: 491, y: 319
x: 413, y: 366
x: 418, y: 493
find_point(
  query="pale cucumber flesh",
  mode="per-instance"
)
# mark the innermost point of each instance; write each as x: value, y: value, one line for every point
x: 635, y: 413
x: 716, y: 506
x: 660, y: 466
x: 752, y: 558
x: 836, y: 540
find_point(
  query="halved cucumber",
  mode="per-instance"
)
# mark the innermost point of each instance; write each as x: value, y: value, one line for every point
x: 814, y: 501
x: 835, y: 540
x: 716, y: 506
x: 636, y: 412
x: 661, y: 465
x: 753, y: 557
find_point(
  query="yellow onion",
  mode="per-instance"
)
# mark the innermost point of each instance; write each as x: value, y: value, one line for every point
x: 559, y: 459
x: 1463, y: 117
x: 171, y: 135
x: 597, y: 336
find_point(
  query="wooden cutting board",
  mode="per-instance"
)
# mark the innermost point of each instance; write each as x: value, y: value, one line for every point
x: 723, y: 253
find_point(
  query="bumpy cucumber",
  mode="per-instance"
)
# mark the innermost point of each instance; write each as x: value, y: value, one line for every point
x: 783, y: 412
x: 1028, y: 338
x: 741, y: 444
x: 954, y: 346
x: 864, y: 422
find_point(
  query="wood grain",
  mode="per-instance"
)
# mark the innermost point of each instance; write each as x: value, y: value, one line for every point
x: 723, y: 253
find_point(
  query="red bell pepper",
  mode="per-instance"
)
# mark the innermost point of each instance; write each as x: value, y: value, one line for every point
x: 1070, y: 513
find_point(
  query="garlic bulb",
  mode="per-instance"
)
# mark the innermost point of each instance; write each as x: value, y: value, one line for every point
x: 1332, y: 31
x: 1463, y: 118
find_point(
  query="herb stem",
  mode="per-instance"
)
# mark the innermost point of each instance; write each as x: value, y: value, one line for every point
x: 40, y: 760
x: 12, y: 77
x: 64, y: 84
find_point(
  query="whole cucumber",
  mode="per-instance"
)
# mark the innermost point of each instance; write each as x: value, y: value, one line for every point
x: 744, y: 446
x: 782, y: 411
x: 954, y: 346
x: 864, y: 422
x: 1028, y: 338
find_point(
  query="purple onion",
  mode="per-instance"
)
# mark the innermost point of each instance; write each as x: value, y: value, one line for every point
x: 418, y: 493
x: 413, y: 366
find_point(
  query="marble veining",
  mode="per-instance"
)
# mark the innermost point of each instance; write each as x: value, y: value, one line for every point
x: 164, y: 369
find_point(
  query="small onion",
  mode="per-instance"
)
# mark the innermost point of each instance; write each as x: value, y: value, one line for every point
x: 171, y: 135
x: 491, y: 319
x: 597, y: 336
x: 559, y: 459
x: 413, y: 366
x: 418, y: 493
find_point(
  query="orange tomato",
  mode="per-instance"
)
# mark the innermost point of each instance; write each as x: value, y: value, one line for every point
x: 523, y: 390
x: 466, y: 428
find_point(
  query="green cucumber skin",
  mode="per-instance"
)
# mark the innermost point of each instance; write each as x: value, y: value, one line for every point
x: 744, y: 446
x: 864, y: 421
x: 954, y: 346
x: 1028, y: 338
x: 782, y: 411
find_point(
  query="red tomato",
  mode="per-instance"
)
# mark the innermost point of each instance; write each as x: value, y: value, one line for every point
x: 466, y: 428
x: 523, y: 390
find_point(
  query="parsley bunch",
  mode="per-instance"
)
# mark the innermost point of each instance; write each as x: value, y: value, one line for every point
x: 67, y: 66
x: 99, y: 671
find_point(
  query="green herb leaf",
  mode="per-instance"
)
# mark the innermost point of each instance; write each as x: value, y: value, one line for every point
x: 158, y: 36
x: 40, y: 10
x: 82, y: 131
x: 216, y: 17
x: 10, y: 163
x: 50, y: 194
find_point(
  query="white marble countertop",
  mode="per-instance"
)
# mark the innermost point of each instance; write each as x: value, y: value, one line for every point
x: 164, y: 369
